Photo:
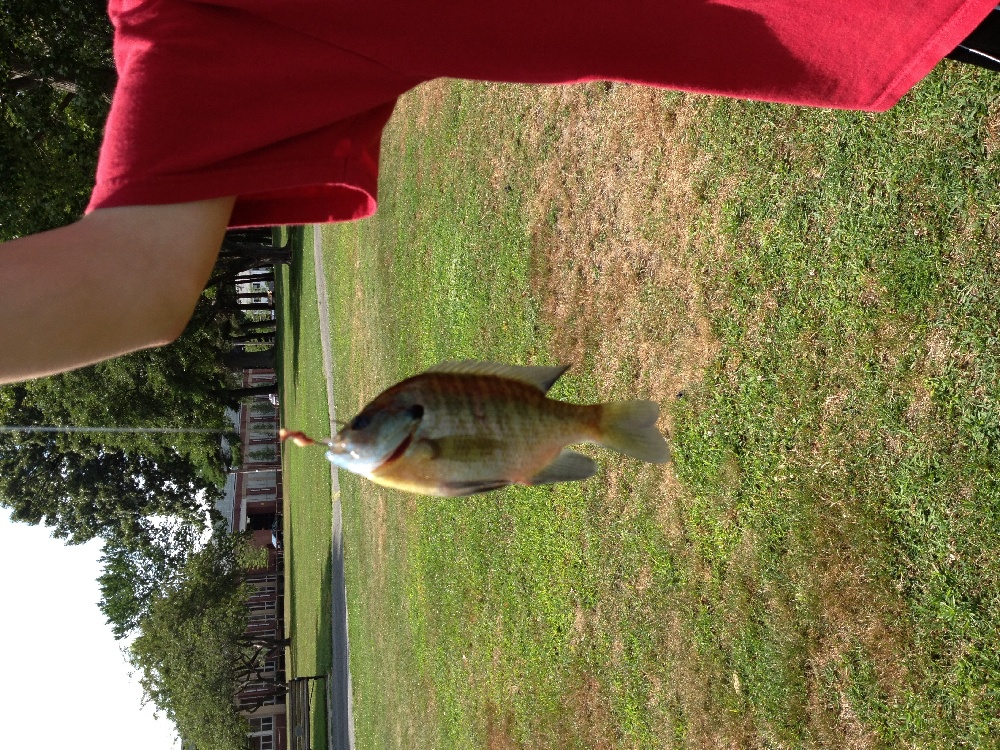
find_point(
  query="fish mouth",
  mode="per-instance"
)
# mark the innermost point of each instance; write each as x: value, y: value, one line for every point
x: 338, y: 445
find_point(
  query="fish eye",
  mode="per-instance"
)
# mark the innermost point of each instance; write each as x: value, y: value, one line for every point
x: 416, y: 411
x: 361, y: 421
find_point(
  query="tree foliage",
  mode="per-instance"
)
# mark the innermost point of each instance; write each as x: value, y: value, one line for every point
x: 180, y: 385
x: 56, y: 75
x: 133, y: 574
x: 108, y: 484
x: 82, y: 489
x: 192, y: 652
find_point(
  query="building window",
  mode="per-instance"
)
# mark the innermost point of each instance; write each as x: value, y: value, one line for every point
x: 262, y: 733
x: 262, y: 599
x: 259, y: 724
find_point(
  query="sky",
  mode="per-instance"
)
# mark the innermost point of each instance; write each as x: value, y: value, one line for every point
x: 65, y: 678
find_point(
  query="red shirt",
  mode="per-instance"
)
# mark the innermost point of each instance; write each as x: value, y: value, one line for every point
x: 282, y: 102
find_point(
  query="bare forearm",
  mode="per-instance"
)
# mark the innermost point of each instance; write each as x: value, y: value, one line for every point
x: 120, y: 279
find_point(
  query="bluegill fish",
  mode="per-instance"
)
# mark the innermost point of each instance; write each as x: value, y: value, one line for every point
x: 466, y: 427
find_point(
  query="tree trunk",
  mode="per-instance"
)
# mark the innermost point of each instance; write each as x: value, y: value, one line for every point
x: 255, y: 306
x: 258, y: 236
x: 269, y: 642
x: 252, y: 338
x: 24, y: 77
x: 228, y: 270
x: 237, y: 360
x: 260, y: 254
x: 253, y: 390
x: 261, y: 701
x: 255, y: 330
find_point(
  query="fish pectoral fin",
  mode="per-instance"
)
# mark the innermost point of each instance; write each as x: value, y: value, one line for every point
x: 459, y: 489
x: 568, y: 466
x: 541, y: 378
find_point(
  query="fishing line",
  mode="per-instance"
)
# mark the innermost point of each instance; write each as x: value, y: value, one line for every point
x: 162, y: 430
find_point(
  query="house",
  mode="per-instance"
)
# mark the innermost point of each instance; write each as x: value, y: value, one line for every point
x: 252, y: 502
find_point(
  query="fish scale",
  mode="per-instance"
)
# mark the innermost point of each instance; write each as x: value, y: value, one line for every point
x: 500, y: 407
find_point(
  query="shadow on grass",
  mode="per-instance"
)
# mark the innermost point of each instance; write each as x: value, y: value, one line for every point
x: 317, y: 709
x: 324, y: 658
x: 296, y: 242
x: 324, y: 626
x: 306, y: 478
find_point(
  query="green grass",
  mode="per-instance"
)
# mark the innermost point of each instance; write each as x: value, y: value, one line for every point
x: 305, y: 477
x: 855, y: 401
x: 818, y: 566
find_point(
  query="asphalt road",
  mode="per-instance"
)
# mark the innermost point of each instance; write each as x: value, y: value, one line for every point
x: 340, y: 715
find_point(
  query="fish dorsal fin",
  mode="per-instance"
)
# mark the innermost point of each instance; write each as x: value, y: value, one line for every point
x: 541, y: 378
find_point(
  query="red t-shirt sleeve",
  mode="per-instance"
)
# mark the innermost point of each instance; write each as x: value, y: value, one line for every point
x: 213, y: 101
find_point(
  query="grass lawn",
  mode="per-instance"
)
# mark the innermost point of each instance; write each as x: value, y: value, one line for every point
x: 810, y: 295
x: 306, y: 478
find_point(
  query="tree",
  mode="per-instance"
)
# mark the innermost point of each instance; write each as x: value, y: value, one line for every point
x: 270, y: 389
x: 244, y: 360
x: 111, y: 485
x: 83, y: 489
x: 180, y: 385
x: 265, y: 339
x: 56, y: 75
x: 86, y: 485
x: 193, y: 653
x: 133, y: 574
x: 245, y: 250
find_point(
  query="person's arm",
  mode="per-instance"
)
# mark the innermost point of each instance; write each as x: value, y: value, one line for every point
x: 118, y: 280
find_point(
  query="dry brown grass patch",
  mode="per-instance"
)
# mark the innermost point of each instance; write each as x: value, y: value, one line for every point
x: 498, y: 731
x: 854, y: 612
x: 668, y: 511
x: 610, y: 230
x: 592, y: 720
x: 609, y: 224
x: 991, y: 130
x: 379, y: 524
x: 691, y: 689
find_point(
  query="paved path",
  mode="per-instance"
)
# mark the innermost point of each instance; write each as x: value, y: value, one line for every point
x: 340, y: 713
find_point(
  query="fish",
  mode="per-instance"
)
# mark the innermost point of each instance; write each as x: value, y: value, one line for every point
x: 466, y: 427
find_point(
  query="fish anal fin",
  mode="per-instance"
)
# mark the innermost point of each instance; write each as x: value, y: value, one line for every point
x: 568, y: 466
x: 460, y: 489
x: 540, y: 377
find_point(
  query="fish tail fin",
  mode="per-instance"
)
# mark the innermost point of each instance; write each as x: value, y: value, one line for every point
x: 629, y: 427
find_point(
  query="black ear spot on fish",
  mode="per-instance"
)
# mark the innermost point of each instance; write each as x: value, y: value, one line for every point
x: 416, y: 411
x: 361, y: 421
